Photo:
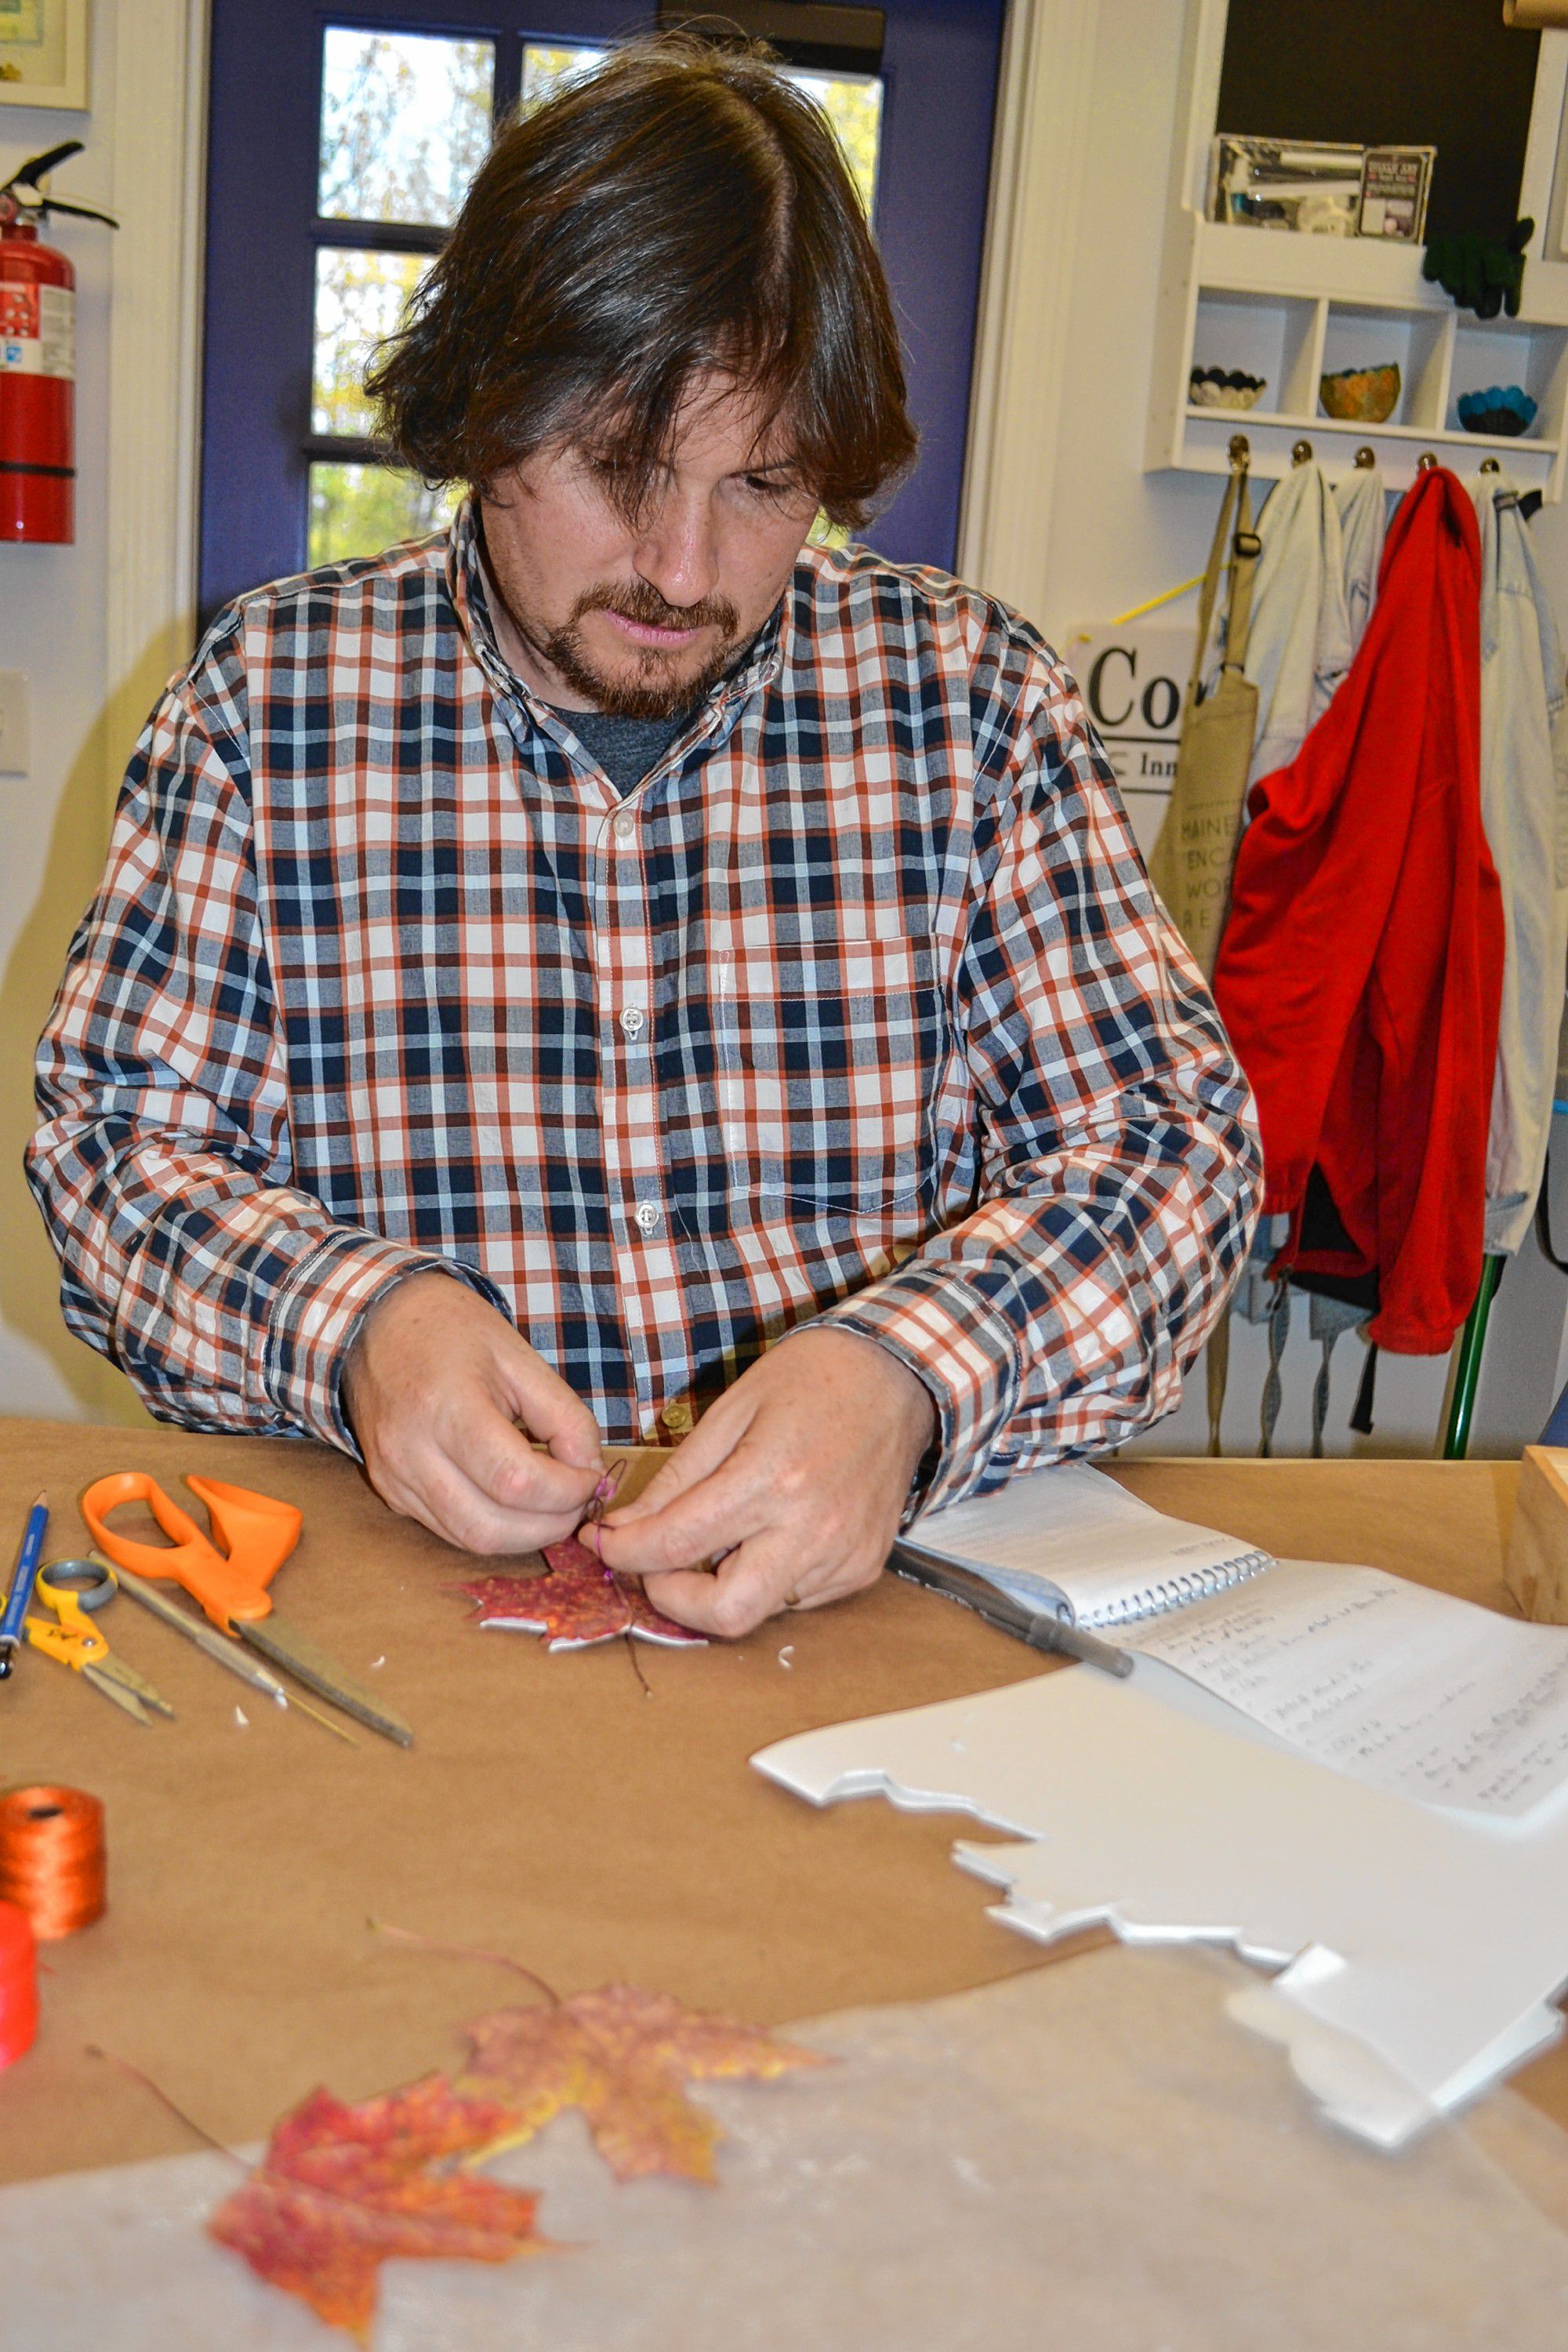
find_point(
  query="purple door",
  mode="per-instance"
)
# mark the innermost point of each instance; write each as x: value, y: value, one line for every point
x: 342, y: 140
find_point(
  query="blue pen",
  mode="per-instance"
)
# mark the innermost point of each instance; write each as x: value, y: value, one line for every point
x: 19, y: 1599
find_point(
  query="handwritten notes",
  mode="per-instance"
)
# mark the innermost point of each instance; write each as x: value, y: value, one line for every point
x: 1409, y: 1689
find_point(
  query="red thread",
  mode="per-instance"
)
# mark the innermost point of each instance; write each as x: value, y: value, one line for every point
x: 52, y: 1862
x: 18, y: 1984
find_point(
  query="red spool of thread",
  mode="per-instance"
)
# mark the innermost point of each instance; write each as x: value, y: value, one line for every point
x: 52, y: 1863
x: 18, y: 1984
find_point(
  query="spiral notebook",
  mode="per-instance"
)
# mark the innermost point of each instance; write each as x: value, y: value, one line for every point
x: 1414, y: 1690
x: 1071, y: 1543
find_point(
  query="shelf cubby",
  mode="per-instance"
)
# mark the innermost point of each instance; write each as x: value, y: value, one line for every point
x: 1490, y: 351
x: 1277, y: 340
x: 1359, y: 335
x: 1292, y: 308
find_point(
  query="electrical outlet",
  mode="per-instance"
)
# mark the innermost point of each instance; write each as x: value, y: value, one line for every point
x: 16, y: 729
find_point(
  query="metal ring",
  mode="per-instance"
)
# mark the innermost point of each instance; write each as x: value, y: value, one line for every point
x: 91, y: 1584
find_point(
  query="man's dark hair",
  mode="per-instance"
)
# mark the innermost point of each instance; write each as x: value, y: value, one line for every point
x: 680, y: 210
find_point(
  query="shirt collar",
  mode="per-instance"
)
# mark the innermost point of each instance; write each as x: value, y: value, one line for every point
x: 466, y: 586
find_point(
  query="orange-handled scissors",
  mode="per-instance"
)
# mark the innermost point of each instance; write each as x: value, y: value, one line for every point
x: 258, y: 1533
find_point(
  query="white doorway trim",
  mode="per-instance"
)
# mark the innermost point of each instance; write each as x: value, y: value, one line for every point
x: 1038, y: 168
x: 154, y: 365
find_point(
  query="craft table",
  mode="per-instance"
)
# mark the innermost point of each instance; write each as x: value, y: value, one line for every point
x: 549, y: 1810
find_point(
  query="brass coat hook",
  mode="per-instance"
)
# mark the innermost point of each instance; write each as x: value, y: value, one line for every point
x: 1301, y: 455
x: 1364, y: 459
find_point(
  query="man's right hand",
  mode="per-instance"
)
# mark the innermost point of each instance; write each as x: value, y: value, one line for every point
x: 435, y: 1387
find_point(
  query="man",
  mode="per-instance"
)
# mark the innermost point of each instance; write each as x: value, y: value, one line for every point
x: 538, y: 973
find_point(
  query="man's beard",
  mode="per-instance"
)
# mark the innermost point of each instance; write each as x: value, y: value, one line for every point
x: 651, y: 691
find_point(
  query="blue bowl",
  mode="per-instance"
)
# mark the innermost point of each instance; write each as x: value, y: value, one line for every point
x: 1502, y: 408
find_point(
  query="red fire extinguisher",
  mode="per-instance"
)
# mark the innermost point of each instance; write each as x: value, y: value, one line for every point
x: 38, y: 359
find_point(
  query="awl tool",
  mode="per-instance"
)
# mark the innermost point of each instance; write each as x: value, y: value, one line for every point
x: 222, y: 1650
x: 258, y: 1533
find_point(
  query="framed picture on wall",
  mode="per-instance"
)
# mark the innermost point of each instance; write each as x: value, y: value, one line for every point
x: 43, y: 53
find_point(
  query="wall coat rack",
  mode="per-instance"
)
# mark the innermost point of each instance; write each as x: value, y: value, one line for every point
x: 1239, y: 450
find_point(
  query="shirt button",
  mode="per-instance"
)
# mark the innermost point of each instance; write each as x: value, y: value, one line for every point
x: 625, y: 827
x: 632, y: 1019
x: 677, y: 1417
x: 646, y: 1216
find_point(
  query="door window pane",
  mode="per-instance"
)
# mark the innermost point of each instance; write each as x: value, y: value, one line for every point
x: 405, y: 124
x: 852, y: 102
x: 546, y: 65
x: 360, y: 509
x: 360, y: 301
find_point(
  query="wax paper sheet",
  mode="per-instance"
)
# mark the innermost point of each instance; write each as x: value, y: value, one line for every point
x: 1086, y: 2158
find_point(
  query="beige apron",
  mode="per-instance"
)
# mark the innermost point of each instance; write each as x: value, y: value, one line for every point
x: 1192, y: 860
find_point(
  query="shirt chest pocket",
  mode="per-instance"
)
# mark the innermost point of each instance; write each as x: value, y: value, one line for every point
x: 827, y: 1061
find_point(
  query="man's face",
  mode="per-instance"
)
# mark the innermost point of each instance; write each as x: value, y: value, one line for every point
x: 641, y: 617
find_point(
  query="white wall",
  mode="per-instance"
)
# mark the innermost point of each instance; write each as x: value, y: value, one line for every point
x: 1111, y: 535
x: 97, y: 626
x: 53, y: 823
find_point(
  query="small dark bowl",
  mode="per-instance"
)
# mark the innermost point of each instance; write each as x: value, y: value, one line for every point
x: 1505, y: 409
x: 1213, y: 387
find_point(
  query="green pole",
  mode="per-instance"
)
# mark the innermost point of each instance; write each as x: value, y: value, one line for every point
x: 1467, y: 1371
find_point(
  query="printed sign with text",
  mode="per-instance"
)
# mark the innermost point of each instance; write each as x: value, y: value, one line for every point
x: 1133, y: 680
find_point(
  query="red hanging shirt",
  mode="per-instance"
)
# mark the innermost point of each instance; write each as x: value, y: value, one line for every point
x: 1361, y: 970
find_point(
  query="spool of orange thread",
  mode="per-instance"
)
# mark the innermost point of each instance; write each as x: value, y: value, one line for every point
x: 18, y: 1984
x: 52, y: 1863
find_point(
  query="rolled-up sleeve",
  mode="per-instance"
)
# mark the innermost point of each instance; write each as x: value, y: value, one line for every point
x: 162, y: 1161
x: 1120, y: 1165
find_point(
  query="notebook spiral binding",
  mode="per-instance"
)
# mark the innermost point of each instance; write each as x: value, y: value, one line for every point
x: 1192, y: 1584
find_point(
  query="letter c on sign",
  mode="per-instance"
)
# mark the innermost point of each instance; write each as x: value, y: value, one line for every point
x: 1098, y: 712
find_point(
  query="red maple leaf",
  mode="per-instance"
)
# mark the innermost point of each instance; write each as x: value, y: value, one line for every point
x: 580, y: 1602
x: 344, y: 2189
x: 622, y: 2056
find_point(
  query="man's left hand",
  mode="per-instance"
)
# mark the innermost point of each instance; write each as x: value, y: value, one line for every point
x: 798, y: 1476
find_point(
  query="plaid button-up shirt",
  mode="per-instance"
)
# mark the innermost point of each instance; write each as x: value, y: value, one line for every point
x: 858, y: 1009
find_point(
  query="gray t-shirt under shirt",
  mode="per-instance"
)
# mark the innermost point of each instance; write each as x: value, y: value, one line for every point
x: 624, y: 747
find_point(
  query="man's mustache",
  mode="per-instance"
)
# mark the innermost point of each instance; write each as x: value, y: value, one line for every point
x: 639, y: 601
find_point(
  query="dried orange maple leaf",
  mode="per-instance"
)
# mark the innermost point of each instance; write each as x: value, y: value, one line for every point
x: 344, y: 2189
x: 622, y: 2056
x: 580, y: 1602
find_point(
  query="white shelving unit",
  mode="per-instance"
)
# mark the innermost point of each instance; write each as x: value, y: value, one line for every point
x: 1292, y: 308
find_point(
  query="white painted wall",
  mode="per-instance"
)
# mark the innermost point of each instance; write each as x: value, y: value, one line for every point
x: 53, y: 824
x: 98, y: 627
x: 1078, y: 532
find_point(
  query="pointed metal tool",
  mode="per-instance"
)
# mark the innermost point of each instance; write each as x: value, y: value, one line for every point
x: 217, y: 1647
x: 220, y: 1647
x: 258, y: 1532
x: 298, y: 1655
